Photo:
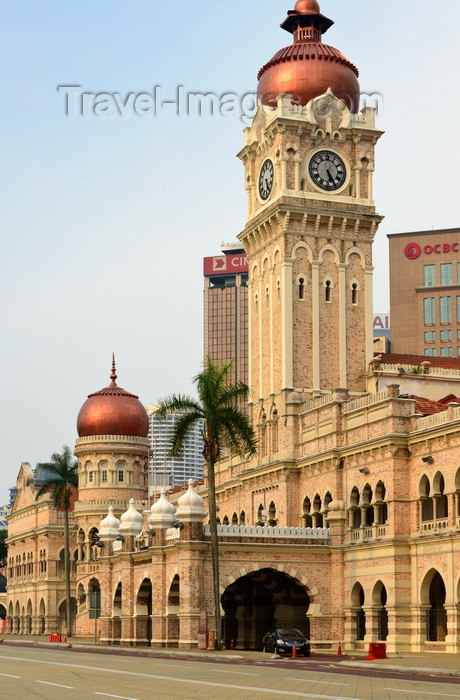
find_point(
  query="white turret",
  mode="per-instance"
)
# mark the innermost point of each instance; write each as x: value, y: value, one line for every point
x: 132, y: 522
x: 162, y: 513
x: 191, y: 506
x: 108, y: 527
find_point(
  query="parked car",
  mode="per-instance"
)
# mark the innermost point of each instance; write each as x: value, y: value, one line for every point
x: 282, y: 639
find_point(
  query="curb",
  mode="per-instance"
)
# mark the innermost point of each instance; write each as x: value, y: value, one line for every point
x: 139, y: 651
x: 452, y: 672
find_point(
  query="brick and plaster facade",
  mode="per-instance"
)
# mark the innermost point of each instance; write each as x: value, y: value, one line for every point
x: 346, y: 523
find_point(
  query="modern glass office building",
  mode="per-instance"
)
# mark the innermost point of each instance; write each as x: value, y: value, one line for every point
x: 167, y: 472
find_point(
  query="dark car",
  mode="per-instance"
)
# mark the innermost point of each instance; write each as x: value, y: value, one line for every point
x: 282, y: 640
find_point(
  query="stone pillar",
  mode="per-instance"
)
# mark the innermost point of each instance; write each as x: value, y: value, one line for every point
x: 372, y: 625
x: 36, y: 621
x: 349, y: 638
x: 105, y: 630
x: 140, y: 631
x: 418, y: 624
x: 127, y: 631
x: 452, y: 509
x: 116, y: 631
x: 453, y: 629
x: 51, y: 624
x: 399, y: 628
x: 158, y: 631
x: 188, y: 625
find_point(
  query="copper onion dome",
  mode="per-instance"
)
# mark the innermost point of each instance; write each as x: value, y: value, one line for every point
x: 308, y: 68
x: 113, y: 411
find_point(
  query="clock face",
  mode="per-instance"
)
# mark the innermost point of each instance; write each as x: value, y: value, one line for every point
x: 327, y: 170
x: 266, y: 177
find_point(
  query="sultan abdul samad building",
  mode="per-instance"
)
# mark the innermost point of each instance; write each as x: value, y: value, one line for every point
x: 347, y: 523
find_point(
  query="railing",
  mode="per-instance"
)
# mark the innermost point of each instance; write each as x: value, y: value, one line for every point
x: 438, y: 418
x: 317, y: 403
x: 85, y: 567
x: 365, y: 401
x: 308, y: 533
x: 111, y: 438
x: 434, y: 525
x: 361, y: 534
x: 409, y: 369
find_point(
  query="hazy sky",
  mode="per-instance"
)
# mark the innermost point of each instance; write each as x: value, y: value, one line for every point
x: 105, y: 221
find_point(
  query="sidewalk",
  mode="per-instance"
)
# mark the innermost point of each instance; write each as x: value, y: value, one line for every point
x: 427, y: 663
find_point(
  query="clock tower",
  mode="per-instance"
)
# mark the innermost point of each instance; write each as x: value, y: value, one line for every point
x: 309, y: 164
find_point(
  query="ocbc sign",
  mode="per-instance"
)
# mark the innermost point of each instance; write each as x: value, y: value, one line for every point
x: 413, y: 250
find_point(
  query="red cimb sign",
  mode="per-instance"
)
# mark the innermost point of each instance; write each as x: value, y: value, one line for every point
x: 413, y: 250
x: 225, y: 265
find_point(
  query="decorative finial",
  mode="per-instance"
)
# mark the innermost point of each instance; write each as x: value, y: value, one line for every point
x: 113, y: 376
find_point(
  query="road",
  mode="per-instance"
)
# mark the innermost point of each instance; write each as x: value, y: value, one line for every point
x: 58, y: 674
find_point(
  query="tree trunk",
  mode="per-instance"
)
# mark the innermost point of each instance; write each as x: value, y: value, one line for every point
x: 67, y: 570
x: 214, y: 549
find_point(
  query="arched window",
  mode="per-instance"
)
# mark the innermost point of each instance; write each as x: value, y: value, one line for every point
x: 260, y: 515
x: 307, y: 519
x: 263, y: 435
x: 242, y: 518
x: 274, y: 446
x: 427, y: 509
x: 272, y: 514
x: 225, y: 520
x: 234, y: 519
x: 440, y: 498
x: 328, y: 287
x: 317, y: 515
x: 120, y: 469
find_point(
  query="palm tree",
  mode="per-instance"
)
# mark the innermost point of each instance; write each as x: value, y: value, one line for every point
x: 225, y: 425
x: 62, y: 476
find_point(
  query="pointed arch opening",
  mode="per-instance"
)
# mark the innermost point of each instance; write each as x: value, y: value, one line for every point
x: 268, y: 598
x: 173, y: 609
x: 379, y: 602
x: 143, y: 624
x: 357, y: 601
x: 433, y: 593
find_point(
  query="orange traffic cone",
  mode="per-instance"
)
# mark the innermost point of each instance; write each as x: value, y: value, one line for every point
x: 294, y: 651
x: 339, y: 650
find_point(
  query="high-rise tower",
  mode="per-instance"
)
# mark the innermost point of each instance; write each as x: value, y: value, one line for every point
x: 309, y: 163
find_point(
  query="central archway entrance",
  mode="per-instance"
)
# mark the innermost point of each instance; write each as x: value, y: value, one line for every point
x: 255, y: 603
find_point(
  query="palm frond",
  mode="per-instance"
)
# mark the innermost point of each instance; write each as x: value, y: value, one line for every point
x: 181, y: 431
x: 176, y: 403
x: 237, y: 432
x: 62, y: 473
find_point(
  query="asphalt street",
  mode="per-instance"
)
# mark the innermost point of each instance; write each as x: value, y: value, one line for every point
x: 28, y: 673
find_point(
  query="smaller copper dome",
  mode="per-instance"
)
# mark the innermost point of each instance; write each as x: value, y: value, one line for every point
x: 113, y: 411
x: 307, y: 6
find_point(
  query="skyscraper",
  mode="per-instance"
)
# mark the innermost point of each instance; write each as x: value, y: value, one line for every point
x: 167, y: 472
x: 226, y: 309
